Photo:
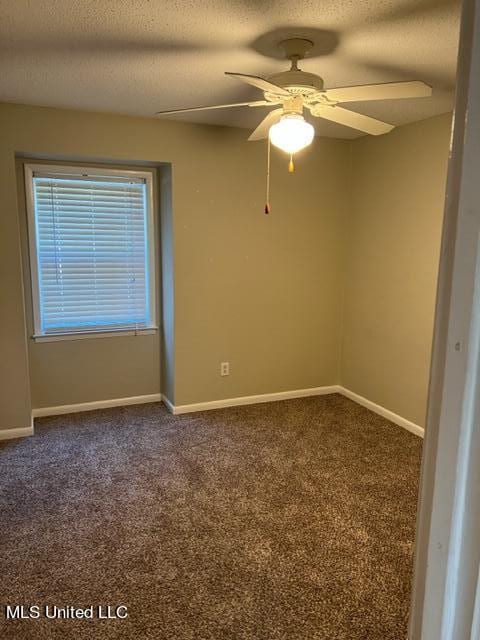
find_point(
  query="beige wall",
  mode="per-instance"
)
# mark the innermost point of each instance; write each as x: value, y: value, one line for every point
x: 259, y: 291
x: 357, y: 225
x: 397, y: 194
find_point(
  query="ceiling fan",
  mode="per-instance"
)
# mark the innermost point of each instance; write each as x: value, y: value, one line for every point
x: 295, y: 90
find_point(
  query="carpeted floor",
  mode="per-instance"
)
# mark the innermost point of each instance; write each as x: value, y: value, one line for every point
x: 289, y: 520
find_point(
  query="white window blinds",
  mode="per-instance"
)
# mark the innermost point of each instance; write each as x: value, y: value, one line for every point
x: 92, y: 252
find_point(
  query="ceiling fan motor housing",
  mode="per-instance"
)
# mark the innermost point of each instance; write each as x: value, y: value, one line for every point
x: 298, y: 82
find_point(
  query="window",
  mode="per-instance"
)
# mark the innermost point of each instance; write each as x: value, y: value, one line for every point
x: 91, y: 250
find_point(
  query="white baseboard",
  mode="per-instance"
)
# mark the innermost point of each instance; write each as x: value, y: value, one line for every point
x: 242, y: 400
x: 92, y: 406
x: 19, y: 432
x: 298, y: 393
x: 385, y: 413
x: 214, y: 404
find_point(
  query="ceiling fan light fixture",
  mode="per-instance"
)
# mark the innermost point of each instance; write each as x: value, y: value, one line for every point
x: 292, y: 133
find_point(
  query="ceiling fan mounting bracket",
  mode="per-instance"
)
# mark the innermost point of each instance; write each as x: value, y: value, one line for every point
x: 296, y: 81
x: 296, y: 49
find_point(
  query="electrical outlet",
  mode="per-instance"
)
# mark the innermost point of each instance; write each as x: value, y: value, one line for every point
x: 224, y: 368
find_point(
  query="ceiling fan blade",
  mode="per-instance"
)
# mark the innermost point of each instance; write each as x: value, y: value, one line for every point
x: 352, y: 119
x: 260, y: 83
x: 263, y: 128
x: 384, y: 91
x: 258, y: 103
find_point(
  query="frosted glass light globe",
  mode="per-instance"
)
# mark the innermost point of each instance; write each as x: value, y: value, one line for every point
x: 292, y: 133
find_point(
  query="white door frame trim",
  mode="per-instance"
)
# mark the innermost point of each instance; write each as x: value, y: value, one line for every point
x: 445, y: 598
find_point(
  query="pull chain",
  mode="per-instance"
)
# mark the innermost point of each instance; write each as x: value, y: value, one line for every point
x: 291, y: 166
x: 267, y: 200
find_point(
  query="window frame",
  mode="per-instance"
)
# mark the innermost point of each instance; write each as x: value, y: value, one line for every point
x: 150, y: 240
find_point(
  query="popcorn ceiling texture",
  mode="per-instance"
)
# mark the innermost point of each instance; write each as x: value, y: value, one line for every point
x: 289, y: 520
x: 144, y: 56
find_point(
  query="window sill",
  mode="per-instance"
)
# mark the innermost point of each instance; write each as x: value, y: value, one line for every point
x: 89, y: 335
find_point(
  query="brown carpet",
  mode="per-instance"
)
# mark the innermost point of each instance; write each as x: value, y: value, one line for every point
x: 289, y: 520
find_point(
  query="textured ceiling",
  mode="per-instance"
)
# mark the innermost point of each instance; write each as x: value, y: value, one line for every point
x: 142, y: 56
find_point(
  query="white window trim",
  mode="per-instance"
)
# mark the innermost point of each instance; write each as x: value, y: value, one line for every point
x: 83, y: 335
x: 72, y: 170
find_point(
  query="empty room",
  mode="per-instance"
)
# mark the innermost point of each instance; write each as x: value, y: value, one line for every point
x: 221, y: 245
